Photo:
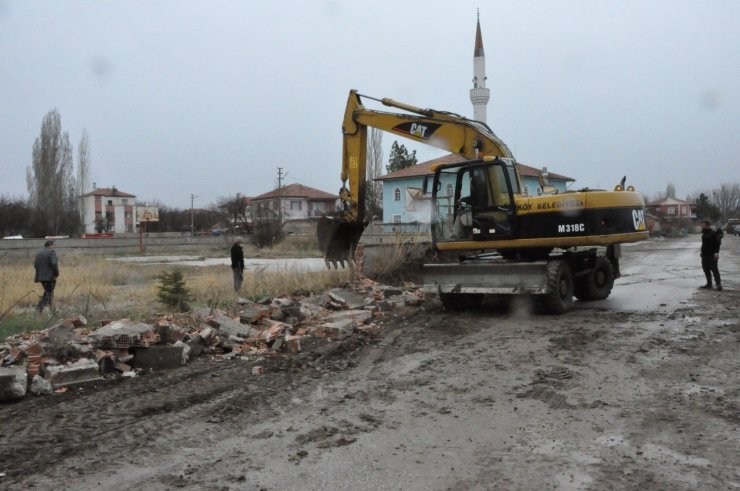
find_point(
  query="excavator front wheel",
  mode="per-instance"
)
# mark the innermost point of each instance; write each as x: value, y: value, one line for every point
x: 559, y: 296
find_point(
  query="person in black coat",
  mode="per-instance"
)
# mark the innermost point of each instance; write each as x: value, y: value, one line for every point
x: 237, y: 263
x: 710, y: 242
x: 46, y: 265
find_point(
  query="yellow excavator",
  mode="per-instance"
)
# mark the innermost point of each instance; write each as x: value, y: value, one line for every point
x: 503, y: 241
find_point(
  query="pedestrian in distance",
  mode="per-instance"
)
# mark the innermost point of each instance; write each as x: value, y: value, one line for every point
x: 237, y: 263
x: 46, y: 265
x: 710, y: 243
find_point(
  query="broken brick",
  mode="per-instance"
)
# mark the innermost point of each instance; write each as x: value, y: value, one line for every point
x: 274, y: 330
x: 293, y: 343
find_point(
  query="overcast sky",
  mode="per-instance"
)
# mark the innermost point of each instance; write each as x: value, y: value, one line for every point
x: 211, y: 97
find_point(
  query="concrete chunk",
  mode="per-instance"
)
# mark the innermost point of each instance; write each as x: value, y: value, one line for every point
x: 253, y: 313
x: 355, y: 315
x: 81, y: 372
x: 119, y: 328
x: 347, y: 298
x: 389, y: 291
x: 13, y: 383
x: 339, y: 329
x: 230, y: 327
x: 40, y: 386
x: 158, y: 357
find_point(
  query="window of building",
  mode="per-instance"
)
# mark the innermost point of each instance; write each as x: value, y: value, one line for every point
x: 396, y: 218
x: 397, y: 194
x: 296, y: 205
x: 110, y: 202
x: 274, y: 205
x: 319, y: 205
x: 124, y: 201
x: 671, y: 210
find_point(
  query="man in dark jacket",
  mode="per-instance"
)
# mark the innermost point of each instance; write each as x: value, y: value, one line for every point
x: 237, y: 263
x: 46, y: 265
x: 710, y: 242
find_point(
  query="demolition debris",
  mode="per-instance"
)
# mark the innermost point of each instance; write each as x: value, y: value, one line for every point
x: 71, y: 353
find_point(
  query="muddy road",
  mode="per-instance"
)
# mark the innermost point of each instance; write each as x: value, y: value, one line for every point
x: 639, y: 391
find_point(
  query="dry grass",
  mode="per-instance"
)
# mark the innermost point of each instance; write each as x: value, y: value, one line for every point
x: 398, y: 261
x: 99, y: 288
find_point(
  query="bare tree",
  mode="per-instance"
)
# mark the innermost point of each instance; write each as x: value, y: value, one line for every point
x: 374, y: 170
x: 49, y: 179
x: 239, y: 213
x: 670, y: 191
x: 727, y: 199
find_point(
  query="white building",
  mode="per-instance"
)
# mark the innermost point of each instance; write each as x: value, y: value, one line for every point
x: 293, y: 202
x: 108, y: 210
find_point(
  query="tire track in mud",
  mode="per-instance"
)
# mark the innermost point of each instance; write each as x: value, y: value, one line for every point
x: 40, y: 434
x: 66, y: 424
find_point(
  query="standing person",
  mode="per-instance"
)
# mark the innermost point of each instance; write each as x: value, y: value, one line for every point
x: 237, y: 263
x: 46, y: 265
x: 710, y: 242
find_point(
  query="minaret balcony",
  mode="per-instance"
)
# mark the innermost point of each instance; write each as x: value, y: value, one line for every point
x: 480, y: 95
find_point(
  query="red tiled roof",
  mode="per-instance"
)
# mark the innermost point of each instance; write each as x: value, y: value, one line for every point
x: 109, y: 192
x: 296, y: 191
x: 425, y: 169
x: 669, y: 201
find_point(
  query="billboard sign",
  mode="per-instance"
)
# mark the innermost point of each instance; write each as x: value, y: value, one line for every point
x: 147, y: 214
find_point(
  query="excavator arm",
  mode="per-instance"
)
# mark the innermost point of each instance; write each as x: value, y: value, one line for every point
x: 338, y: 236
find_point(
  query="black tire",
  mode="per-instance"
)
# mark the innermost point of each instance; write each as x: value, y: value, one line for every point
x: 559, y: 296
x: 598, y: 284
x: 461, y: 301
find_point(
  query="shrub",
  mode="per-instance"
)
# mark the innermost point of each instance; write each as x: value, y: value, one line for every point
x: 173, y: 291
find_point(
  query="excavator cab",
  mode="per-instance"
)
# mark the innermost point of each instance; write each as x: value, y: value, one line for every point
x: 474, y: 200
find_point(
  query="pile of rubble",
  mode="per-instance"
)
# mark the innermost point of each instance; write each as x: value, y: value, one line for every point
x: 72, y: 353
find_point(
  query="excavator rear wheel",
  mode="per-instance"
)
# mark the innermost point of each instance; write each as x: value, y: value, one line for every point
x: 559, y: 296
x: 598, y: 283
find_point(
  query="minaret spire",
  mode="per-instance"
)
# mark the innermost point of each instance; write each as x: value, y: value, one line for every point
x: 479, y: 94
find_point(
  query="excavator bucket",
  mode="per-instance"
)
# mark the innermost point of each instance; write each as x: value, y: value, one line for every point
x: 338, y: 240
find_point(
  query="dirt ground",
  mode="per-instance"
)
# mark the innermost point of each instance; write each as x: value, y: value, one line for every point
x: 639, y: 391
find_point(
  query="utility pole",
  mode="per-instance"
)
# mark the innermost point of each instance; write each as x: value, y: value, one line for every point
x: 192, y: 221
x: 281, y: 176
